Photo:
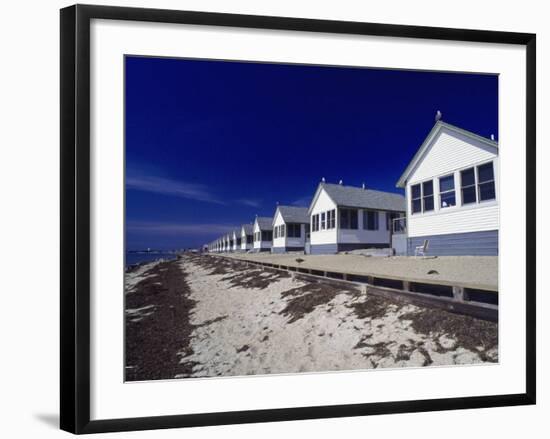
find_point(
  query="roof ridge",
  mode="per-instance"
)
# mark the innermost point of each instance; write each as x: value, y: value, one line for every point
x: 362, y: 189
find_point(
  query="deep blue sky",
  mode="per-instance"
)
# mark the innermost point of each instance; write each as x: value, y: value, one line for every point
x: 210, y: 144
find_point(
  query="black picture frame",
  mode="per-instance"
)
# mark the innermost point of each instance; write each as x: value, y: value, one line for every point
x: 75, y: 217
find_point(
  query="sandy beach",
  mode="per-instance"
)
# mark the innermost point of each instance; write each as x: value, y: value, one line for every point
x: 202, y: 316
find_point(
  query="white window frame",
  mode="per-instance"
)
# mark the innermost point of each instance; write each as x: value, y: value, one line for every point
x: 420, y: 212
x: 475, y: 186
x: 478, y: 198
x: 331, y: 219
x: 451, y: 174
x: 313, y: 220
x: 422, y: 196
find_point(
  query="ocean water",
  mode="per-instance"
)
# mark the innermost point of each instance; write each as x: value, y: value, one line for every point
x: 138, y: 258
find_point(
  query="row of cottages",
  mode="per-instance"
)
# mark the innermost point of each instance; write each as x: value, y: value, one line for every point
x: 452, y: 188
x: 451, y: 205
x: 340, y: 218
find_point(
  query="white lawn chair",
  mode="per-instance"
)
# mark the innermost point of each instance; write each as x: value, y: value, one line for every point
x: 421, y: 250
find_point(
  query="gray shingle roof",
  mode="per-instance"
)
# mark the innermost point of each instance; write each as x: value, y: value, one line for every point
x: 293, y: 214
x: 350, y: 196
x: 247, y: 229
x: 265, y: 223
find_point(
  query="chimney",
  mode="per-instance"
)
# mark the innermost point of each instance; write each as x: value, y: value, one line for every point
x: 492, y: 137
x: 340, y: 182
x: 363, y: 186
x: 438, y: 116
x: 323, y: 179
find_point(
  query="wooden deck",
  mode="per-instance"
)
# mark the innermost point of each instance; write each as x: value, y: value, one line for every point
x: 467, y: 296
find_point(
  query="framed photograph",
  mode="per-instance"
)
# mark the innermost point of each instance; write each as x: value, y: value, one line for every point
x: 274, y: 218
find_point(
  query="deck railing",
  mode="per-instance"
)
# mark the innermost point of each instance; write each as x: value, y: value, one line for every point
x: 399, y: 225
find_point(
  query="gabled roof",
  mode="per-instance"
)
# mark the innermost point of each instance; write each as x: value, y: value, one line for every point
x: 351, y: 196
x: 293, y: 214
x: 437, y: 128
x: 265, y: 223
x: 247, y: 229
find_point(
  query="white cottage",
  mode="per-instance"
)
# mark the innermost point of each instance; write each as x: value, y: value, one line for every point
x: 236, y: 239
x: 263, y: 234
x: 225, y: 243
x: 451, y: 186
x: 345, y: 218
x: 247, y: 239
x: 290, y: 228
x: 229, y: 240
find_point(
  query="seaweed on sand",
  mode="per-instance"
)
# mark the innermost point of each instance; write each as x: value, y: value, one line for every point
x: 306, y: 298
x: 154, y: 343
x: 373, y: 307
x: 470, y: 333
x: 256, y: 278
x: 217, y: 265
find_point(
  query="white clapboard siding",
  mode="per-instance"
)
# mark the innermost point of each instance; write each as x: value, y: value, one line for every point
x: 450, y: 151
x: 460, y: 220
x: 360, y: 235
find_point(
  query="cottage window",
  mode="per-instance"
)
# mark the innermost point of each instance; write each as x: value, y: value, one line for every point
x: 249, y: 239
x: 447, y: 191
x: 294, y: 230
x: 323, y: 221
x: 416, y: 198
x: 486, y: 182
x: 468, y: 186
x: 428, y: 196
x: 315, y: 223
x: 348, y: 219
x: 267, y: 235
x: 331, y: 219
x: 282, y: 230
x: 370, y: 220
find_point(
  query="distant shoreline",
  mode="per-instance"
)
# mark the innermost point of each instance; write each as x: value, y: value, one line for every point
x: 134, y: 260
